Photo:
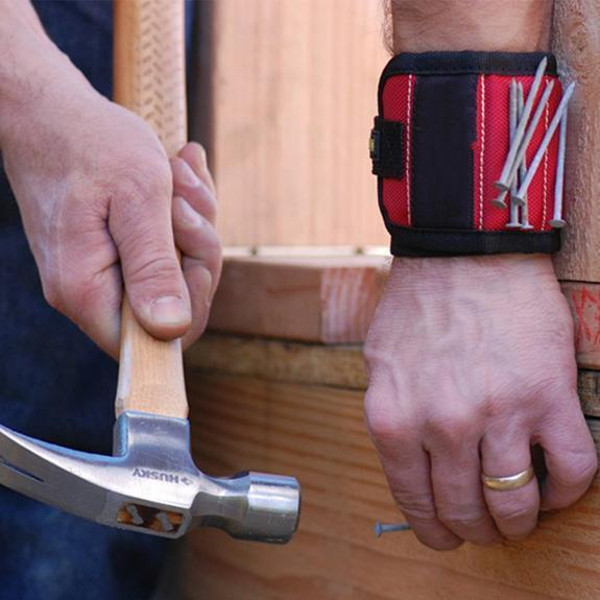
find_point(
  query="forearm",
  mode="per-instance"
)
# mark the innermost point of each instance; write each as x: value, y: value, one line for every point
x: 485, y: 25
x: 30, y: 64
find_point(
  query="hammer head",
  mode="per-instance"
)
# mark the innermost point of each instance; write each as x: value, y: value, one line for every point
x: 150, y: 484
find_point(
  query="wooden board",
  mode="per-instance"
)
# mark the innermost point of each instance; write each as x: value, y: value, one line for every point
x: 332, y: 300
x: 312, y: 364
x: 276, y: 360
x: 584, y: 300
x: 329, y: 300
x: 293, y: 89
x: 577, y: 45
x: 317, y: 433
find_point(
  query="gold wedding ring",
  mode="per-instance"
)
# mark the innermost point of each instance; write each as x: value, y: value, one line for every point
x: 512, y: 482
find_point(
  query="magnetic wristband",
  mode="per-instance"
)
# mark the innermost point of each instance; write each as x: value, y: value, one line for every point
x: 467, y: 157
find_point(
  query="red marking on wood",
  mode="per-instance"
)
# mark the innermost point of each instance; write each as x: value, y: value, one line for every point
x: 585, y: 305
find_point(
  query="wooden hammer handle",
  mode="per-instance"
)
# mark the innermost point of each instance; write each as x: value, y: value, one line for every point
x: 149, y: 79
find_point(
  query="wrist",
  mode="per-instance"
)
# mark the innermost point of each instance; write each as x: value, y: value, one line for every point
x: 35, y: 75
x: 485, y: 25
x: 492, y: 272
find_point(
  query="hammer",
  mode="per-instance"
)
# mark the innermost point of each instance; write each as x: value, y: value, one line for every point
x: 150, y: 484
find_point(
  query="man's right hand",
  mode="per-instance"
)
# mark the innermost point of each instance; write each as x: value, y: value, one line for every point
x: 103, y: 207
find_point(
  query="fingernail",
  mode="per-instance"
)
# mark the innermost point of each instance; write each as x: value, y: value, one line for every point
x: 169, y: 310
x: 188, y: 214
x: 186, y: 174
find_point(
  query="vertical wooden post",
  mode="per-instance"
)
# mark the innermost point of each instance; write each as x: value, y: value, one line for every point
x: 577, y: 45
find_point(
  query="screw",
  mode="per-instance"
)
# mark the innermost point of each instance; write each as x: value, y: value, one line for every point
x: 537, y: 159
x: 381, y: 528
x: 557, y: 220
x: 503, y: 183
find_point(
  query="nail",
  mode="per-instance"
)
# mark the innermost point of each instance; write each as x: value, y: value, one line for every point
x: 529, y: 134
x: 169, y: 310
x: 381, y: 528
x: 514, y: 222
x: 522, y: 171
x: 503, y: 183
x: 500, y: 200
x: 557, y: 221
x: 537, y: 159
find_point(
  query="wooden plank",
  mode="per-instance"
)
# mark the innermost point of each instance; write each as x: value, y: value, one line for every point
x: 588, y: 388
x: 577, y: 45
x: 584, y: 300
x: 317, y: 433
x: 332, y: 300
x: 329, y: 300
x: 312, y: 364
x: 293, y: 95
x: 275, y: 360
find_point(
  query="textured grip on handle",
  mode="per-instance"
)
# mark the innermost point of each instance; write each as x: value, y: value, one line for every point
x: 149, y: 79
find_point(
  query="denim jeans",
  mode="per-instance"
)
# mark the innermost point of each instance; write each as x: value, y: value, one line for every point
x: 56, y: 385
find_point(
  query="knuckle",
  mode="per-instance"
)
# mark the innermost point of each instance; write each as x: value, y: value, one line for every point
x: 133, y: 188
x: 583, y: 466
x: 467, y: 518
x: 158, y: 268
x: 418, y: 507
x: 511, y: 511
x: 386, y: 427
x: 451, y: 428
x: 210, y: 210
x: 139, y: 186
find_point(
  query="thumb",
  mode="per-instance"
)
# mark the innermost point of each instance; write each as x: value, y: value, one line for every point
x: 154, y: 283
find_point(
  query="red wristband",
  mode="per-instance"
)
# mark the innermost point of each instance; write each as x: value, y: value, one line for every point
x: 441, y: 141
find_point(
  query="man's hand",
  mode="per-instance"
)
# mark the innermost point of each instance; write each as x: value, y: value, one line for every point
x: 471, y: 363
x: 103, y: 207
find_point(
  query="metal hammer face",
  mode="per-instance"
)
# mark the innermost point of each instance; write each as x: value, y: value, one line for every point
x: 150, y: 484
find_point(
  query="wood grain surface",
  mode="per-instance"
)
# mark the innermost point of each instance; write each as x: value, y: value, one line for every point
x: 584, y: 300
x: 332, y: 300
x: 328, y: 299
x: 279, y: 360
x: 577, y: 45
x: 294, y: 88
x: 317, y: 433
x: 150, y: 80
x: 339, y: 366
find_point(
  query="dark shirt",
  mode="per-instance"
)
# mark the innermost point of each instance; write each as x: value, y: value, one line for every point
x: 56, y: 385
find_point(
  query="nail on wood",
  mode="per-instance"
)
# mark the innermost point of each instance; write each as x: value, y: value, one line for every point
x: 381, y: 528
